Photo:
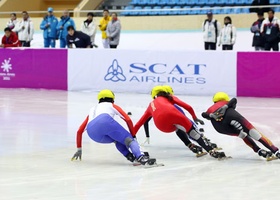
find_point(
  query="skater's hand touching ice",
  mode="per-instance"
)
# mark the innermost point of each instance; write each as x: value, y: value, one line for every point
x: 146, y: 141
x: 77, y: 155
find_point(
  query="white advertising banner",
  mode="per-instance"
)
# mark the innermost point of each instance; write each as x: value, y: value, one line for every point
x: 193, y: 73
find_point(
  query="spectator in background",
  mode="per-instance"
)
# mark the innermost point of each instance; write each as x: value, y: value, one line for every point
x: 114, y: 31
x: 89, y: 27
x: 103, y: 26
x: 211, y: 30
x: 270, y: 31
x: 228, y: 34
x: 10, y: 39
x: 25, y: 30
x: 48, y: 25
x: 78, y: 38
x: 12, y: 22
x: 62, y: 28
x: 258, y: 39
x: 260, y: 3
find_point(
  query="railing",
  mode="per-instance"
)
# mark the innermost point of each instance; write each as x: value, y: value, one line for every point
x: 141, y: 10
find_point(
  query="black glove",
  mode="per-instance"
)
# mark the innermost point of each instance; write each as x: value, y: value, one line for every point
x: 77, y: 155
x: 199, y: 121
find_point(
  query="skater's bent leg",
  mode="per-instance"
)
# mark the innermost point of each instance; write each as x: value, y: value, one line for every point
x: 134, y: 146
x: 122, y: 148
x: 197, y: 137
x: 251, y: 144
x: 183, y: 136
x: 248, y: 141
x: 255, y: 134
x: 194, y: 135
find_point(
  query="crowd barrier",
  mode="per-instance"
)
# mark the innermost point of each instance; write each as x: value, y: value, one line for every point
x: 137, y: 71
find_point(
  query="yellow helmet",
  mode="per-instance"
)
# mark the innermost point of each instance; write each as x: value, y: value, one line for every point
x: 105, y: 94
x: 169, y: 89
x: 220, y: 96
x: 158, y: 89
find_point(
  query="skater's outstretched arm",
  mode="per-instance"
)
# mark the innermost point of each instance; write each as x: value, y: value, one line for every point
x: 80, y: 132
x: 78, y: 154
x: 185, y: 106
x: 146, y: 127
x: 143, y: 119
x: 232, y: 103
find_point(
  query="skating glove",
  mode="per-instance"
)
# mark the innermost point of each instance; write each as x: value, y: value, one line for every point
x: 77, y: 155
x: 146, y: 141
x: 199, y: 121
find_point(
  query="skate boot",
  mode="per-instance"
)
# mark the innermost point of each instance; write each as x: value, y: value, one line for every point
x: 145, y: 160
x: 146, y: 154
x: 213, y: 145
x: 130, y: 157
x: 264, y: 153
x: 216, y: 154
x: 194, y: 148
x: 277, y: 154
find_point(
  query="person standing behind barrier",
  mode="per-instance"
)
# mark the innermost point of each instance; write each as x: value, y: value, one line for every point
x: 62, y: 28
x: 270, y: 31
x: 103, y: 26
x: 49, y: 25
x: 258, y: 40
x: 78, y: 38
x: 114, y: 31
x: 12, y: 22
x: 89, y: 27
x: 25, y: 30
x: 211, y: 30
x: 228, y: 34
x: 10, y: 39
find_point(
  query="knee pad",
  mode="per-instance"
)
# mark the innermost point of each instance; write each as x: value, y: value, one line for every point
x: 242, y: 134
x: 180, y: 127
x: 128, y: 141
x: 194, y: 134
x: 255, y: 134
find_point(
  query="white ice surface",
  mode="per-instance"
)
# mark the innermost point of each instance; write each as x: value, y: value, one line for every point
x: 37, y: 139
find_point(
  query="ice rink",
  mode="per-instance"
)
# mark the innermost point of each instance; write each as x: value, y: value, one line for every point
x: 37, y: 139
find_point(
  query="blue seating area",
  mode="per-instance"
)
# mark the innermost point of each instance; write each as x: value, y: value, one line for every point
x: 193, y: 2
x: 186, y: 7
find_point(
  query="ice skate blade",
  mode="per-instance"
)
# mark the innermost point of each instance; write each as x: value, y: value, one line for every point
x: 201, y: 154
x: 218, y: 149
x: 136, y: 164
x: 271, y: 158
x: 154, y: 165
x: 225, y: 158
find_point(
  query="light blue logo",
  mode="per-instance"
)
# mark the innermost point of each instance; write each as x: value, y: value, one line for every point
x: 115, y: 72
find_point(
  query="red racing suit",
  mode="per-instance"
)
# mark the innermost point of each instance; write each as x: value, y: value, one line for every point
x: 11, y: 41
x: 166, y: 116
